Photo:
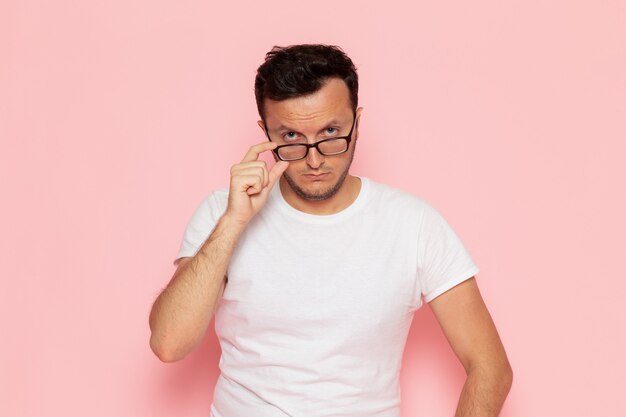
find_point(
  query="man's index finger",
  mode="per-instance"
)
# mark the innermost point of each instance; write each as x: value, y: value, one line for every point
x: 254, y: 152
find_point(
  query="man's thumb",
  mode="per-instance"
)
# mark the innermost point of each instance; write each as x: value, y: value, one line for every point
x: 276, y: 171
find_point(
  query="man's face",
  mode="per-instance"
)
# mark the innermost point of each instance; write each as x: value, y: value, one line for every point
x: 308, y: 119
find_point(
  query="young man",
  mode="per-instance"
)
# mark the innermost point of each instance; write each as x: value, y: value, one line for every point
x: 314, y: 274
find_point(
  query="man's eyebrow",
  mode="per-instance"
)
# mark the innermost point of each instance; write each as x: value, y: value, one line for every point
x: 285, y: 128
x: 333, y: 122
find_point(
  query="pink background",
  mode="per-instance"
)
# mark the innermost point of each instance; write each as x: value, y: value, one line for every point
x: 118, y: 117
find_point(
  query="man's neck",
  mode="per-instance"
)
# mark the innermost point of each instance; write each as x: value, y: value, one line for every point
x: 343, y: 198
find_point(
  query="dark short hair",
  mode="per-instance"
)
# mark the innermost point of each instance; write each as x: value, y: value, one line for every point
x: 299, y: 70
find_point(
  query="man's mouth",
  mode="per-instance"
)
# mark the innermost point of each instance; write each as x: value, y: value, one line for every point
x: 320, y: 176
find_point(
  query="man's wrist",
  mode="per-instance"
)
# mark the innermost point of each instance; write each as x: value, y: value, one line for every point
x: 232, y: 223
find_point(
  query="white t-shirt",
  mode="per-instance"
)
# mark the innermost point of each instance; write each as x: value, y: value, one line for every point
x: 315, y: 315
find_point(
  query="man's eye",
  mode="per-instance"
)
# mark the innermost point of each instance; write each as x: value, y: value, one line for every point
x: 290, y: 136
x: 331, y: 130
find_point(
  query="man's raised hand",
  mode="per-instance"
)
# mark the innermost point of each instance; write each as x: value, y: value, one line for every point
x: 251, y: 182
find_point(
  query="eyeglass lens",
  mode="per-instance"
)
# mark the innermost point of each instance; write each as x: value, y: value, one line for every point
x: 328, y: 147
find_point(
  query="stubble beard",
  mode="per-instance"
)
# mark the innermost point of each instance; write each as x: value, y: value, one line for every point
x: 325, y: 194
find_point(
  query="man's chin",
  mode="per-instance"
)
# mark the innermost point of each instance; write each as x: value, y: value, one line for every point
x: 312, y: 194
x: 319, y: 196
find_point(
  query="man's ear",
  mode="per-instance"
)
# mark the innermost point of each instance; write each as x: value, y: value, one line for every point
x: 262, y: 126
x: 358, y: 120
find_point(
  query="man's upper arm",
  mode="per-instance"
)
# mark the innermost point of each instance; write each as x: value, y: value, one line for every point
x: 181, y: 261
x: 468, y: 326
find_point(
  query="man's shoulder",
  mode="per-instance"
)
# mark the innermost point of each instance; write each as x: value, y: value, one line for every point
x: 221, y: 193
x: 216, y: 199
x: 389, y: 194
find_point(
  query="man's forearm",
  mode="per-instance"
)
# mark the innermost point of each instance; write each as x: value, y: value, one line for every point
x: 183, y: 311
x: 484, y: 392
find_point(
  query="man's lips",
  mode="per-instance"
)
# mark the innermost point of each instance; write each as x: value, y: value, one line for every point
x: 317, y: 176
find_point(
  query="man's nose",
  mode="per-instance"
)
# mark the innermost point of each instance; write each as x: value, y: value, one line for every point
x: 314, y: 159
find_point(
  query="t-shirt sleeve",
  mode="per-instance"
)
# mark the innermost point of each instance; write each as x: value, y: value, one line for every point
x: 201, y: 225
x: 443, y: 260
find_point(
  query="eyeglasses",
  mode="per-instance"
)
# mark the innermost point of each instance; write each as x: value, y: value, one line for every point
x: 326, y: 147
